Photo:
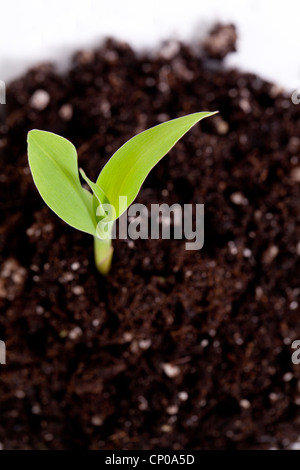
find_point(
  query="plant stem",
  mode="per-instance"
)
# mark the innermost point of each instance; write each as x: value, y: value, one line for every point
x: 103, y: 252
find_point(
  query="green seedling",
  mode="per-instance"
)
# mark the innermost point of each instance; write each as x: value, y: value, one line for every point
x: 54, y: 167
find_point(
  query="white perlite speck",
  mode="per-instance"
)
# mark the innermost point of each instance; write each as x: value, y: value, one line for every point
x: 170, y: 370
x: 145, y: 344
x: 39, y: 100
x: 39, y: 310
x: 66, y: 112
x: 20, y: 394
x: 75, y: 333
x: 295, y: 174
x: 172, y: 410
x: 143, y: 403
x: 183, y: 396
x: 288, y: 376
x: 245, y: 404
x: 293, y: 305
x: 97, y: 420
x: 232, y: 248
x: 78, y: 290
x: 36, y: 409
x: 127, y: 336
x: 239, y: 199
x: 247, y: 253
x: 75, y: 266
x: 270, y: 254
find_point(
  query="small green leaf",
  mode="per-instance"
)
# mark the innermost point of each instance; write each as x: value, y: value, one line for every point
x: 124, y: 174
x: 98, y: 193
x: 54, y: 167
x: 103, y: 209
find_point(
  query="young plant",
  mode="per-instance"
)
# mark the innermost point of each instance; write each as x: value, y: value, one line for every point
x: 54, y: 167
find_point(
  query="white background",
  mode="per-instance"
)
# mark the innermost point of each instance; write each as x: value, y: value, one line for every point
x: 36, y: 30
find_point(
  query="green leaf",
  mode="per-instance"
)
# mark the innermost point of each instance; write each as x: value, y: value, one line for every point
x: 54, y: 167
x: 103, y: 209
x: 125, y: 172
x: 98, y: 193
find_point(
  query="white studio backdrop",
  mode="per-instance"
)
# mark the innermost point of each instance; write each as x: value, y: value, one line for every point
x: 38, y: 30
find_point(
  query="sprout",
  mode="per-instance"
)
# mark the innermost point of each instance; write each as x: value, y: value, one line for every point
x: 54, y: 167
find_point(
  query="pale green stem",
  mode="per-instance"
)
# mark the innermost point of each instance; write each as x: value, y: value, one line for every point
x: 103, y: 252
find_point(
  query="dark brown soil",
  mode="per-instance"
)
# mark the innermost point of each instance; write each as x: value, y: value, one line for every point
x: 175, y: 349
x: 220, y: 41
